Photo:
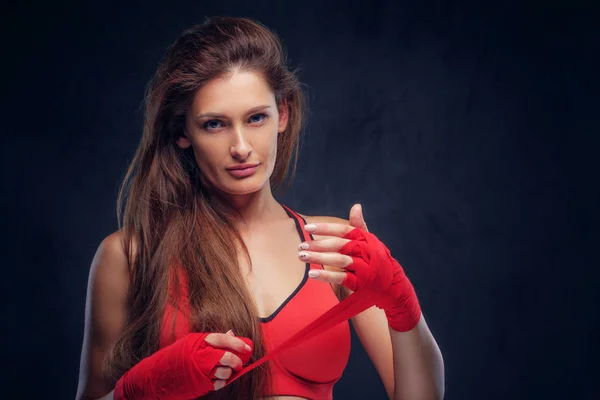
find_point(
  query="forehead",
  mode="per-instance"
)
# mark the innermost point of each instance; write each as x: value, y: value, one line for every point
x: 235, y: 93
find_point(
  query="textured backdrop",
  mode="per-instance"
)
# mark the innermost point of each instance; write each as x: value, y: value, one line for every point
x: 468, y: 131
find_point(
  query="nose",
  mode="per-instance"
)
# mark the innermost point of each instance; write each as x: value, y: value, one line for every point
x: 240, y: 148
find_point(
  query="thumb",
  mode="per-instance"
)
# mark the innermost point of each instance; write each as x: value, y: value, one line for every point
x: 357, y: 219
x: 362, y: 218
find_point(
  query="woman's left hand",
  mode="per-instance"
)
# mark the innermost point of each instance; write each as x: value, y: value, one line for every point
x: 368, y: 265
x: 326, y: 251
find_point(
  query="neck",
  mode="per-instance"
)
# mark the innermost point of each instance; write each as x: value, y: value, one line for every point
x: 255, y: 209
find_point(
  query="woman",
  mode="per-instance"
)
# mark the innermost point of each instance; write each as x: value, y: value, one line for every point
x: 205, y: 274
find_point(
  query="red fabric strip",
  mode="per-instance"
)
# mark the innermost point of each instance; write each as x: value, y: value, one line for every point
x: 349, y: 307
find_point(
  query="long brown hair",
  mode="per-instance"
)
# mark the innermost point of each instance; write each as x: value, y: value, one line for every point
x: 169, y: 217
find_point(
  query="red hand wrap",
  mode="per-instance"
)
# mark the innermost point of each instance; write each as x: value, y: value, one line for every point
x: 382, y: 282
x: 374, y: 269
x: 183, y: 370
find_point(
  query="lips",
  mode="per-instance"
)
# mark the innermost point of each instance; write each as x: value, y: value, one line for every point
x: 242, y: 166
x: 240, y: 172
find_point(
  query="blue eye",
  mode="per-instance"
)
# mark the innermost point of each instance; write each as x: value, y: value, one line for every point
x: 262, y: 114
x: 208, y: 125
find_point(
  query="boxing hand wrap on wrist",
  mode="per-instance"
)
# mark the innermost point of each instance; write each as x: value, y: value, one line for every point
x: 183, y: 370
x: 375, y: 270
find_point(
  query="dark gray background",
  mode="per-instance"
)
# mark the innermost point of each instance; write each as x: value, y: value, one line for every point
x: 466, y: 129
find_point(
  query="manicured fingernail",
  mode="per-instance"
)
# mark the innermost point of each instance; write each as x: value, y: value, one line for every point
x: 313, y: 273
x: 248, y: 348
x: 310, y: 227
x: 303, y: 255
x: 303, y: 246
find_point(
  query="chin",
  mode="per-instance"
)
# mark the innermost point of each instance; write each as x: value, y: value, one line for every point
x: 241, y: 192
x: 242, y: 187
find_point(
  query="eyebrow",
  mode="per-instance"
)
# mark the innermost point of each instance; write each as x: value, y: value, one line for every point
x: 217, y: 115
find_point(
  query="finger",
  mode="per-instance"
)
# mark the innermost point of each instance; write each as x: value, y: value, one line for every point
x: 231, y: 360
x: 328, y: 229
x: 327, y: 276
x: 333, y: 259
x: 225, y: 341
x: 223, y: 373
x: 362, y: 218
x: 330, y: 244
x: 219, y: 384
x: 356, y: 218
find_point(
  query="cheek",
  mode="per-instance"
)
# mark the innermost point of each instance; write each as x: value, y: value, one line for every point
x: 273, y: 150
x: 205, y: 158
x: 272, y: 155
x: 274, y: 140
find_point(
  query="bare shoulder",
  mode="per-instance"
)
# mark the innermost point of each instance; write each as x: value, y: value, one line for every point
x: 110, y: 264
x: 105, y: 313
x: 107, y: 287
x: 324, y: 218
x: 112, y: 248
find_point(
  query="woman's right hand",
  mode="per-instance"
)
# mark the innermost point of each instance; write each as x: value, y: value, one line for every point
x: 229, y: 362
x: 189, y: 368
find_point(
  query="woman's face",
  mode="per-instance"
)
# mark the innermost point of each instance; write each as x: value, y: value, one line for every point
x: 232, y: 121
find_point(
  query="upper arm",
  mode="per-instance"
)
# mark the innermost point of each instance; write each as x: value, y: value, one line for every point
x: 105, y: 314
x: 371, y: 325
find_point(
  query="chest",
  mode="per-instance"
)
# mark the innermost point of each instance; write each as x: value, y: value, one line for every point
x: 274, y: 271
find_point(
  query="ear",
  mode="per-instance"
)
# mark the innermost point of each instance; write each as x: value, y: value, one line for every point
x: 284, y: 114
x: 183, y: 142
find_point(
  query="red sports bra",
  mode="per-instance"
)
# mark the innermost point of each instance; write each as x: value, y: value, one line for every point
x: 308, y: 370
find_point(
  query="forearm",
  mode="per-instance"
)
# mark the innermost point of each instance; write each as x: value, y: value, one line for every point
x: 418, y: 364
